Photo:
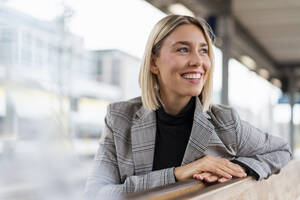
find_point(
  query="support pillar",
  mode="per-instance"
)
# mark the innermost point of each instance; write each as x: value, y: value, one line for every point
x: 291, y: 92
x: 225, y: 31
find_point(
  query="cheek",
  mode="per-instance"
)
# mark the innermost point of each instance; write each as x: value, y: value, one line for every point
x: 207, y: 68
x: 168, y: 67
x: 207, y: 64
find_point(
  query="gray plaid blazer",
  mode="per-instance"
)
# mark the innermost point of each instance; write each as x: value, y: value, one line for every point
x: 124, y: 159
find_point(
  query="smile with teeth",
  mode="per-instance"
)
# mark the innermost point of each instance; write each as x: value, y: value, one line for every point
x: 192, y: 76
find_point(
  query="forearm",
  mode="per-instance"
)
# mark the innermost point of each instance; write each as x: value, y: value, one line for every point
x: 263, y: 153
x: 148, y: 181
x: 102, y: 184
x: 266, y: 164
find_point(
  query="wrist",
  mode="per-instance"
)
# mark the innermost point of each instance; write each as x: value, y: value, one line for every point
x: 177, y: 173
x: 181, y: 173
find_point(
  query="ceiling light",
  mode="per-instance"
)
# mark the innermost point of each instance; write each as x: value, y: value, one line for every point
x: 179, y: 9
x: 248, y: 62
x: 264, y: 73
x: 276, y: 82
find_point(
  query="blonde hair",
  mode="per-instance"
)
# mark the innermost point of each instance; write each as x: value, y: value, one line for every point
x: 148, y: 81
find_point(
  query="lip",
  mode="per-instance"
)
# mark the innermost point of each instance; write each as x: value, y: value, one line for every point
x: 194, y: 80
x: 193, y: 72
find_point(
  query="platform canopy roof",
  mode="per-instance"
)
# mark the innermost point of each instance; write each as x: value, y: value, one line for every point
x: 266, y: 31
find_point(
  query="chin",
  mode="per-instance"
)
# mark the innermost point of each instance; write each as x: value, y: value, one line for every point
x: 193, y: 94
x: 196, y: 92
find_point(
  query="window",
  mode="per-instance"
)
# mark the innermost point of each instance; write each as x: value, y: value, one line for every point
x: 99, y: 67
x: 115, y: 72
x: 26, y: 48
x: 39, y: 52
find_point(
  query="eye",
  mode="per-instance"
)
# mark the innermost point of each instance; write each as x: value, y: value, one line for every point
x: 182, y: 50
x: 204, y: 51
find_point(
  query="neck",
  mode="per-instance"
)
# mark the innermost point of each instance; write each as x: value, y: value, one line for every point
x: 174, y: 105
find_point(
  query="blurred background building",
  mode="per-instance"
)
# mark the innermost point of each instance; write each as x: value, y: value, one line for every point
x: 46, y: 70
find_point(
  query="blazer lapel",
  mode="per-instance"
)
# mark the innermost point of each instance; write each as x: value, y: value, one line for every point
x: 143, y: 132
x: 202, y: 131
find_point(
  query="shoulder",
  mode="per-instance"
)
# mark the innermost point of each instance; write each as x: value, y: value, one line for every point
x: 124, y: 109
x: 223, y: 115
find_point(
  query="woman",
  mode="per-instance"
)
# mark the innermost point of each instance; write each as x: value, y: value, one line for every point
x: 173, y: 132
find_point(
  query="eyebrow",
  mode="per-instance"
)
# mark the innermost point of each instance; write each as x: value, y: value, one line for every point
x: 203, y: 44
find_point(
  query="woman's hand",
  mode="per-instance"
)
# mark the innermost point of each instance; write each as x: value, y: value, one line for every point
x: 219, y: 167
x: 209, y: 177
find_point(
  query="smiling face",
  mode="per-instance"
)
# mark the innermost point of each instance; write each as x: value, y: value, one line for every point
x: 183, y: 63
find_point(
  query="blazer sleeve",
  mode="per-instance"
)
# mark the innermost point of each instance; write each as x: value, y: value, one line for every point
x: 105, y: 181
x: 263, y: 153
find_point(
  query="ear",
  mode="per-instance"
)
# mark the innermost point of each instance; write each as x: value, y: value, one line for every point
x: 153, y: 67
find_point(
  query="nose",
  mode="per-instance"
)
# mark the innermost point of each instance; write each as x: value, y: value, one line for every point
x: 195, y: 60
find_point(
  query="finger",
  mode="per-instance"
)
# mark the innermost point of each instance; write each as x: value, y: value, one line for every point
x: 206, y: 174
x: 233, y: 166
x: 222, y: 180
x: 222, y: 173
x: 212, y: 178
x: 232, y: 172
x: 242, y: 169
x: 201, y: 176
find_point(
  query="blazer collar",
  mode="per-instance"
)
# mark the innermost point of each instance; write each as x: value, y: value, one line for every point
x: 202, y: 130
x: 143, y: 132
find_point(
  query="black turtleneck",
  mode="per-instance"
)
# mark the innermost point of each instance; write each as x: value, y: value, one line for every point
x: 172, y: 135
